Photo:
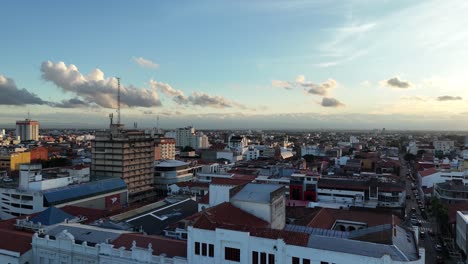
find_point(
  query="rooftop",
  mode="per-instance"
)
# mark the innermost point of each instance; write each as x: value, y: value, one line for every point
x: 171, y: 163
x: 160, y: 245
x: 259, y: 193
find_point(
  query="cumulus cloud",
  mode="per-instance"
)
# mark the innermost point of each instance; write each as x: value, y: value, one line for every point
x: 331, y: 102
x: 396, y: 82
x: 448, y: 98
x: 145, y: 63
x: 95, y: 88
x: 282, y: 84
x: 196, y: 98
x: 10, y: 94
x: 312, y: 88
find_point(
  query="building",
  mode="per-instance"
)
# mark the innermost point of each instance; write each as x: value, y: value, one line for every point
x: 443, y: 146
x: 252, y: 154
x: 12, y: 161
x: 36, y: 191
x: 228, y: 234
x: 168, y: 172
x: 187, y: 136
x: 127, y: 154
x: 77, y: 243
x: 164, y: 149
x: 461, y: 235
x: 237, y: 143
x: 27, y: 129
x: 451, y: 192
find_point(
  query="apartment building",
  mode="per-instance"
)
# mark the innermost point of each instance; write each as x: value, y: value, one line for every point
x: 126, y: 154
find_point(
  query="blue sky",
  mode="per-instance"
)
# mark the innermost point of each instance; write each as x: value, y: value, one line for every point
x: 237, y: 64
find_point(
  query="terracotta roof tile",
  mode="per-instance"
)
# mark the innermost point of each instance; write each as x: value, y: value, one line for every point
x: 160, y: 245
x: 15, y: 241
x: 427, y: 172
x: 227, y: 181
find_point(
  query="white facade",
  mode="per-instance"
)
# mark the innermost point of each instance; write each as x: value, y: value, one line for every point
x: 12, y: 257
x: 64, y: 249
x: 27, y: 129
x: 445, y: 146
x: 439, y: 177
x: 252, y: 154
x: 461, y: 231
x: 282, y: 252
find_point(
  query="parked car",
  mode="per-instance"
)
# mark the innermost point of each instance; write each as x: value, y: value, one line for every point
x: 438, y: 247
x: 422, y: 234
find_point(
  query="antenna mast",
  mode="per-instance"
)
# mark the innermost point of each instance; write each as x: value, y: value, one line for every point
x: 118, y: 100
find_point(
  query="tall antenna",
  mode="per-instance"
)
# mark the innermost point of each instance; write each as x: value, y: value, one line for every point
x: 29, y: 116
x: 157, y: 124
x: 118, y: 100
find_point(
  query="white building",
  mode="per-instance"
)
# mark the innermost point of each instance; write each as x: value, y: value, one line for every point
x: 186, y: 136
x: 35, y: 192
x: 252, y: 154
x: 429, y: 177
x: 446, y: 146
x: 462, y: 231
x: 80, y: 244
x: 27, y: 129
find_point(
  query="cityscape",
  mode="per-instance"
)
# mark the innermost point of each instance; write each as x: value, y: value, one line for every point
x: 260, y: 132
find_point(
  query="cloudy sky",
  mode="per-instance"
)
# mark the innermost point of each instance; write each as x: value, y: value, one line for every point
x: 237, y: 64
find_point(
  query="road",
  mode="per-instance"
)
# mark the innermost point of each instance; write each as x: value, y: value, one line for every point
x: 427, y: 225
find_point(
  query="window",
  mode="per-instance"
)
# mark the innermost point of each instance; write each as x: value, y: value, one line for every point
x: 323, y: 262
x: 232, y: 254
x: 211, y: 250
x: 295, y: 260
x: 263, y: 258
x: 197, y: 248
x: 254, y: 257
x: 305, y: 261
x: 203, y: 249
x: 271, y: 259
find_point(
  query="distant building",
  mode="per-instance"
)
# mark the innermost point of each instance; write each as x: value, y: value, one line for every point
x: 187, y: 136
x: 27, y: 129
x: 443, y: 146
x: 164, y: 149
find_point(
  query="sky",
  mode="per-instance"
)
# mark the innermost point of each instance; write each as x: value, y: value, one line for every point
x: 236, y: 64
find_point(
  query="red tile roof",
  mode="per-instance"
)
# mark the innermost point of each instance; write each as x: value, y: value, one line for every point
x: 427, y: 172
x: 90, y: 213
x: 205, y: 199
x: 327, y: 217
x: 160, y: 245
x: 227, y: 181
x: 244, y: 224
x: 228, y: 215
x: 15, y: 241
x: 193, y: 184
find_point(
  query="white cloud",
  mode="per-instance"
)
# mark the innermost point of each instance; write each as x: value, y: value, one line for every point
x: 145, y: 63
x: 95, y: 88
x: 312, y: 88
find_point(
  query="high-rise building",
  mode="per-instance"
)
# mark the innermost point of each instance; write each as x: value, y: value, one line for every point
x: 27, y: 129
x: 128, y: 154
x: 187, y: 136
x: 164, y: 148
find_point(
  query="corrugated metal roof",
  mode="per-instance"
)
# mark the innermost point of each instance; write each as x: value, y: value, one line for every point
x: 80, y: 191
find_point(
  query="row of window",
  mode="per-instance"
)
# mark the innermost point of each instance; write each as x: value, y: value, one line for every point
x: 263, y: 258
x: 204, y: 249
x: 233, y: 254
x: 296, y: 260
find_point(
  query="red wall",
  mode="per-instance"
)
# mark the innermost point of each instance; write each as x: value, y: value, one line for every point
x: 39, y: 153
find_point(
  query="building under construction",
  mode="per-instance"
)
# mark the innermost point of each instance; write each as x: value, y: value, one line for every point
x: 125, y: 153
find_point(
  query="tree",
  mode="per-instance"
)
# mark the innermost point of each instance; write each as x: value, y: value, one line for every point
x: 188, y: 149
x: 409, y: 157
x: 309, y: 157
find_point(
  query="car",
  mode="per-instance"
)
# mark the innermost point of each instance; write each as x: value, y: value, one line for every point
x: 431, y: 233
x: 438, y: 248
x: 413, y: 209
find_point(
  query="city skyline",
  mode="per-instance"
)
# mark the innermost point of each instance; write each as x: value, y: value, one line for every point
x: 257, y: 65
